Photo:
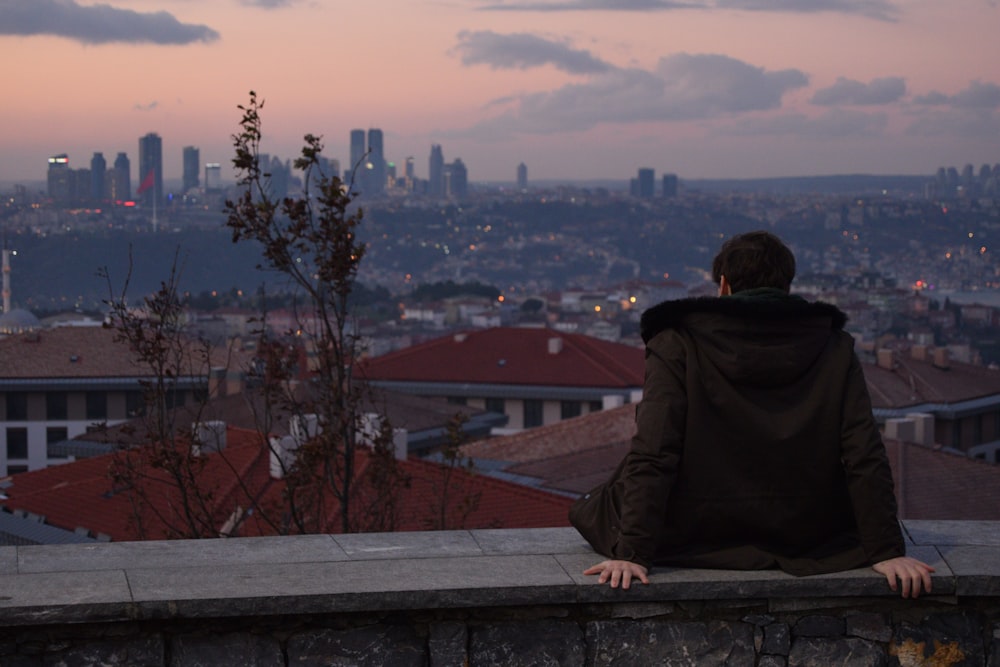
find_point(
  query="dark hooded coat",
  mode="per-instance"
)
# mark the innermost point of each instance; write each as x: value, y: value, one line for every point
x: 756, y: 446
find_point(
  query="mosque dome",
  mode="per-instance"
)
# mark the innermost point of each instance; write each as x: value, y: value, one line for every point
x: 18, y: 320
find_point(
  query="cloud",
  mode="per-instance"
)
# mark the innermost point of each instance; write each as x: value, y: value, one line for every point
x: 833, y: 124
x: 883, y: 10
x: 97, y: 24
x: 848, y: 91
x: 523, y: 51
x: 978, y: 95
x: 590, y: 5
x: 267, y: 4
x: 681, y: 87
x: 145, y: 107
x: 970, y: 113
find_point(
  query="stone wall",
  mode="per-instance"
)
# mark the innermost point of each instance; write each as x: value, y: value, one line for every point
x: 480, y: 598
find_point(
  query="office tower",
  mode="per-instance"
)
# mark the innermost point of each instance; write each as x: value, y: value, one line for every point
x: 522, y: 176
x: 435, y: 181
x: 121, y: 181
x: 98, y: 169
x: 192, y: 165
x: 150, y: 167
x: 60, y: 179
x: 457, y: 179
x: 670, y: 185
x: 213, y: 176
x: 409, y: 168
x: 357, y: 155
x: 376, y: 162
x: 647, y: 182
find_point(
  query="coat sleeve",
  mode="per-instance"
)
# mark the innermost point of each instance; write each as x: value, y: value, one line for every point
x: 650, y: 467
x: 869, y: 477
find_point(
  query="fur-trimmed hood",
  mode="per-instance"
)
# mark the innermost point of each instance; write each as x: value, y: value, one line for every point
x: 765, y: 339
x: 670, y: 314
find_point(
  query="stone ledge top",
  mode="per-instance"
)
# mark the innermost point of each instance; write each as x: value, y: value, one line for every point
x: 373, y: 572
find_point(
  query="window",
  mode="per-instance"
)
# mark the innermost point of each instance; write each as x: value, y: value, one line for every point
x: 97, y: 405
x: 13, y: 470
x: 135, y: 405
x: 55, y: 405
x: 532, y: 413
x: 596, y: 406
x: 17, y: 406
x: 55, y: 434
x: 456, y: 400
x: 571, y: 409
x: 495, y: 405
x: 17, y: 443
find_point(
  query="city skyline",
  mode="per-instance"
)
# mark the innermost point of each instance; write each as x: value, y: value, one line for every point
x: 593, y: 89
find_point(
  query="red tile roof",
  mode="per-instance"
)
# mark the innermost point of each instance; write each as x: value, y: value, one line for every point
x: 513, y: 355
x: 912, y: 382
x: 932, y: 483
x: 81, y: 494
x: 568, y: 437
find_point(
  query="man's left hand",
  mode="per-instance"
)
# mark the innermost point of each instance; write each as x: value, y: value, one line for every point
x: 618, y: 572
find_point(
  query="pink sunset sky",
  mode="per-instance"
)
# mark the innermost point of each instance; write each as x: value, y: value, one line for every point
x: 576, y: 89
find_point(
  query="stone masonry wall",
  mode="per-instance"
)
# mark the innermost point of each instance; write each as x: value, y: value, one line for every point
x: 781, y: 633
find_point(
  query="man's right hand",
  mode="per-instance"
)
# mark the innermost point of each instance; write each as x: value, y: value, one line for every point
x: 618, y: 572
x: 910, y: 572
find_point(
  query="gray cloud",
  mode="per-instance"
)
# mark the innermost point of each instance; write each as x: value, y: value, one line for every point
x: 954, y: 122
x: 978, y: 95
x: 833, y: 124
x: 883, y: 10
x: 97, y: 24
x: 848, y: 91
x: 590, y: 5
x: 523, y: 51
x: 267, y: 4
x: 682, y: 87
x: 146, y: 107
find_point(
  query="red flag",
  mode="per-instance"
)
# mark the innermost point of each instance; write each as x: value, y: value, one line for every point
x: 147, y: 182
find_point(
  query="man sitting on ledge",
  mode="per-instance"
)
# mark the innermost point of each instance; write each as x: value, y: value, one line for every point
x: 755, y: 446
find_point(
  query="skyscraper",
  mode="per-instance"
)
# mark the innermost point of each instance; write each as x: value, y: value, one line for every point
x: 121, y: 181
x: 647, y: 182
x: 435, y: 180
x: 60, y: 179
x: 458, y: 179
x: 151, y: 166
x: 192, y: 167
x: 522, y: 176
x: 354, y: 168
x: 670, y: 185
x: 375, y: 166
x: 98, y: 168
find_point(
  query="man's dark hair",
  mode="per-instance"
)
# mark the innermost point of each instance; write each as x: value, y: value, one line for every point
x: 755, y: 259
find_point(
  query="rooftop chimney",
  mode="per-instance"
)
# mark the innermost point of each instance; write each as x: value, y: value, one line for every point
x: 941, y: 359
x: 555, y: 345
x: 886, y: 359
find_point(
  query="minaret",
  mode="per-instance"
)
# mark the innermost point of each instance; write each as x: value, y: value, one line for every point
x: 6, y: 280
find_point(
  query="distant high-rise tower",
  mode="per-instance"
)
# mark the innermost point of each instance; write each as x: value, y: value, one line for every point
x: 213, y: 176
x: 522, y: 176
x: 192, y: 167
x: 670, y: 185
x: 98, y: 169
x: 375, y: 166
x: 354, y: 169
x: 458, y: 179
x: 646, y: 182
x: 60, y: 179
x: 435, y: 180
x: 121, y: 180
x: 409, y: 168
x: 151, y: 165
